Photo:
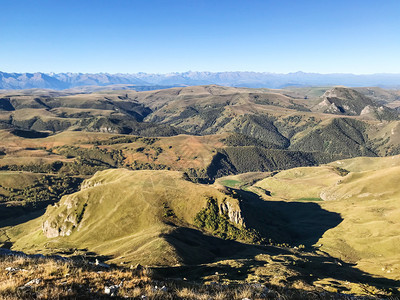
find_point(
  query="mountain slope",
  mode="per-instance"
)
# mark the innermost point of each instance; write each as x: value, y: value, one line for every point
x: 352, y: 103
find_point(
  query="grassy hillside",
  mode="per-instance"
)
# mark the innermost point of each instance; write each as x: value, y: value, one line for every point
x: 139, y: 220
x: 364, y: 191
x: 155, y: 221
x: 340, y: 100
x: 338, y: 136
x: 380, y: 95
x: 24, y: 193
x: 203, y: 158
x: 78, y: 153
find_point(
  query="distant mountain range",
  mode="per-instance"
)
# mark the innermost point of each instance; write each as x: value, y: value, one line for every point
x: 145, y: 81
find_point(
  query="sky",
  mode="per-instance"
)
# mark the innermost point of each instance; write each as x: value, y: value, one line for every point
x: 162, y: 36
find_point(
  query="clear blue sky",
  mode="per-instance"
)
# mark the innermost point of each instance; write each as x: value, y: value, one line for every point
x: 159, y: 36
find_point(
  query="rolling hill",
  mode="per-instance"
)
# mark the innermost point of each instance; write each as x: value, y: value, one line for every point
x: 160, y: 219
x: 256, y: 185
x: 276, y: 129
x: 143, y: 216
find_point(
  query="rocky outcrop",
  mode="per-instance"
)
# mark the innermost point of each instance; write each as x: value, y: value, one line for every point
x: 64, y: 217
x: 235, y: 216
x: 53, y: 229
x: 346, y: 101
x: 89, y: 184
x: 367, y: 110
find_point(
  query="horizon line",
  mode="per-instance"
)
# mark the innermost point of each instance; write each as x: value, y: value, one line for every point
x: 190, y: 71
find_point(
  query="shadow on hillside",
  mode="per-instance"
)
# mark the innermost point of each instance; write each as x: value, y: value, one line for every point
x: 237, y: 261
x: 15, y: 215
x: 194, y: 247
x: 294, y: 223
x: 30, y: 134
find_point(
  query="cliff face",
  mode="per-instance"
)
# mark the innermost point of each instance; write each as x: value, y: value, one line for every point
x: 64, y: 216
x: 234, y: 214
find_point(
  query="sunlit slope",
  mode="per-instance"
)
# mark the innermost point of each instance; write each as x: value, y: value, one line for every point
x: 368, y: 200
x: 176, y: 152
x: 147, y: 217
x: 305, y: 183
x: 369, y: 203
x: 125, y: 215
x: 359, y: 164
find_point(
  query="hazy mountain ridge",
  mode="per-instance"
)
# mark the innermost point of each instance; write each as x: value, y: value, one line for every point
x: 244, y: 79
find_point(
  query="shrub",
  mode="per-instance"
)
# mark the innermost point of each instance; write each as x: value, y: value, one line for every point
x: 210, y: 218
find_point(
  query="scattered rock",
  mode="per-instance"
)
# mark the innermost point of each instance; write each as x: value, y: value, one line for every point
x: 138, y: 267
x: 162, y: 289
x: 11, y: 269
x: 338, y: 262
x: 100, y: 264
x: 264, y: 290
x: 25, y: 288
x: 33, y: 282
x: 113, y: 289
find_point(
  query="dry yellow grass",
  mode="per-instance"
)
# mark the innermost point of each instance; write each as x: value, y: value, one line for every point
x: 57, y: 279
x: 177, y: 152
x: 49, y: 279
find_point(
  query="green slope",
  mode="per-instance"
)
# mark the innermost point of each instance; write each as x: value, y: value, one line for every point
x: 121, y: 213
x: 367, y: 200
